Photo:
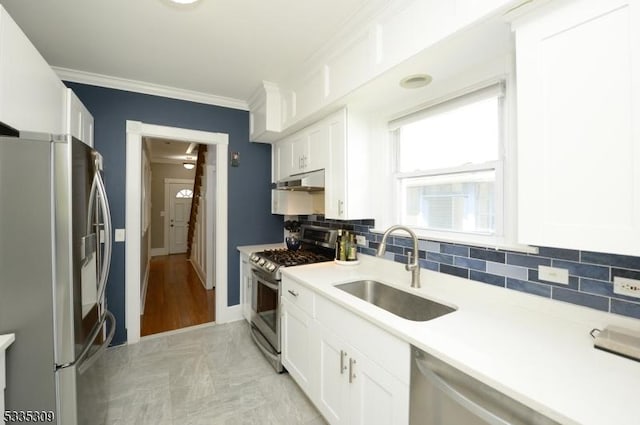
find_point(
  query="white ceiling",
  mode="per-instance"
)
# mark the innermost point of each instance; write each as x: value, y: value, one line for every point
x: 172, y: 151
x: 217, y: 47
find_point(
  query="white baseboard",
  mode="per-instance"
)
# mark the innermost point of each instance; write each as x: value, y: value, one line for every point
x: 156, y: 252
x: 199, y: 272
x: 143, y: 292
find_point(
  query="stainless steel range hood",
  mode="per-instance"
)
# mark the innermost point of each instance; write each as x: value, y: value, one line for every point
x: 306, y: 182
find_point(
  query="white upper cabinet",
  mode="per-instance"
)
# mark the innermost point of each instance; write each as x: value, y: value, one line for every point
x: 578, y: 76
x: 79, y: 121
x: 346, y: 182
x: 304, y: 151
x: 32, y: 98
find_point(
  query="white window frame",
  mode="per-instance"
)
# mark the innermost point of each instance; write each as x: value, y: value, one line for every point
x: 498, y: 237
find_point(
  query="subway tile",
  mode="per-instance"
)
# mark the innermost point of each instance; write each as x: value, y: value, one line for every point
x: 405, y: 242
x: 529, y: 261
x: 583, y: 270
x: 485, y: 254
x: 369, y: 222
x: 429, y: 265
x: 440, y: 258
x: 461, y: 251
x: 500, y: 269
x: 625, y: 308
x: 630, y: 274
x: 491, y: 279
x: 470, y: 263
x: 399, y: 258
x: 455, y: 271
x: 368, y: 251
x: 580, y: 298
x: 422, y: 254
x: 428, y: 246
x: 394, y: 249
x: 529, y: 287
x: 559, y: 253
x: 573, y: 281
x: 620, y: 261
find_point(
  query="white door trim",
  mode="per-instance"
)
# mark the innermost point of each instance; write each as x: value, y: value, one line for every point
x: 167, y: 207
x: 135, y: 131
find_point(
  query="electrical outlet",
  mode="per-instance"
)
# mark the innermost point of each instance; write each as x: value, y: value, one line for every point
x: 626, y: 286
x: 553, y: 274
x: 361, y: 240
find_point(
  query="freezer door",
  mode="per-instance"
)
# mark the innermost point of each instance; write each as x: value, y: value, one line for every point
x: 82, y: 386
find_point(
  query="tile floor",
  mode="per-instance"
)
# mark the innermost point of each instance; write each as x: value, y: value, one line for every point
x: 212, y: 375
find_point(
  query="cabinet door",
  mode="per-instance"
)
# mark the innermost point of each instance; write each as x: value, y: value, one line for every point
x: 283, y: 159
x: 296, y: 329
x: 300, y: 152
x: 336, y: 177
x: 32, y: 97
x: 376, y: 397
x: 578, y: 70
x: 332, y: 387
x: 318, y: 143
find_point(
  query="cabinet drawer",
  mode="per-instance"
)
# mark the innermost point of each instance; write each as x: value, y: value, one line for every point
x: 298, y: 295
x: 391, y: 353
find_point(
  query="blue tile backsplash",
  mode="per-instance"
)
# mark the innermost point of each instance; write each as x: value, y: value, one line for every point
x: 590, y: 273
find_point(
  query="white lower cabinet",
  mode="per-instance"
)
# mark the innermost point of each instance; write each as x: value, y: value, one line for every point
x: 296, y: 344
x: 353, y: 371
x: 245, y: 286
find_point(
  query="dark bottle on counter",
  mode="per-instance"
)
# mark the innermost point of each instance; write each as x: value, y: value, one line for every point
x: 338, y: 241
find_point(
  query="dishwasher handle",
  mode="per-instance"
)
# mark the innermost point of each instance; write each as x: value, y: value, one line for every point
x: 458, y: 397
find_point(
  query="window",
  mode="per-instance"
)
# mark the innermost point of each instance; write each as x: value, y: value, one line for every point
x: 449, y: 165
x: 184, y: 193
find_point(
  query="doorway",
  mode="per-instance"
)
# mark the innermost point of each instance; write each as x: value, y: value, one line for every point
x: 178, y: 198
x: 216, y: 247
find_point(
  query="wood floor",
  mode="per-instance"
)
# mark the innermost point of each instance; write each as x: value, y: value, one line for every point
x: 175, y: 297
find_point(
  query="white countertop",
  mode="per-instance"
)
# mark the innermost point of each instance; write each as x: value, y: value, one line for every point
x: 248, y: 249
x: 536, y: 350
x: 6, y: 340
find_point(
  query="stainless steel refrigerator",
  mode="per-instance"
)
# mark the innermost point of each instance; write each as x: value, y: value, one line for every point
x: 55, y: 250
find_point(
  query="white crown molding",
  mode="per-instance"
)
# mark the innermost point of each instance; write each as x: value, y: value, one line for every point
x: 148, y: 88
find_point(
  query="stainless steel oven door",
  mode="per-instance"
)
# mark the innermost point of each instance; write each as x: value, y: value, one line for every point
x: 265, y: 307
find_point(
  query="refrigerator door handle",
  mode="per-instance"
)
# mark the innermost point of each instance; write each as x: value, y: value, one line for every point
x: 86, y: 363
x: 82, y: 362
x: 108, y: 237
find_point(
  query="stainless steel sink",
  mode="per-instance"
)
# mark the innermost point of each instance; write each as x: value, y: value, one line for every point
x: 400, y: 303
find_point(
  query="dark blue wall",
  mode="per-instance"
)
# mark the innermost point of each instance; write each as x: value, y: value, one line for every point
x: 250, y: 218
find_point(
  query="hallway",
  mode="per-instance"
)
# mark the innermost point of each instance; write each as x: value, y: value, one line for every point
x: 175, y: 297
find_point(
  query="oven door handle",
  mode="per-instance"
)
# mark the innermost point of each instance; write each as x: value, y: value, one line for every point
x: 263, y: 281
x: 266, y: 352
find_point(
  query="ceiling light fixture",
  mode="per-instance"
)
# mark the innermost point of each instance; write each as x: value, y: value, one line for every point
x: 184, y: 1
x: 189, y: 165
x: 415, y: 81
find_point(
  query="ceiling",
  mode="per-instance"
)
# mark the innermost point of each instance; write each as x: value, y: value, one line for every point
x: 216, y: 47
x: 169, y: 151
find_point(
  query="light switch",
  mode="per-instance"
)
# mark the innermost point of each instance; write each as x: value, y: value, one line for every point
x: 553, y: 274
x: 120, y: 235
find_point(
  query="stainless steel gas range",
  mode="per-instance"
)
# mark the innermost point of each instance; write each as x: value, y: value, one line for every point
x: 317, y: 245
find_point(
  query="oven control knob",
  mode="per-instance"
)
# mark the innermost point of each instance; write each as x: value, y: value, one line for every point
x: 271, y: 267
x: 253, y: 258
x: 261, y: 262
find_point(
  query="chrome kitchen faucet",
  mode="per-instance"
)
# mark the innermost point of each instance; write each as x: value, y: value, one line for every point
x: 412, y: 263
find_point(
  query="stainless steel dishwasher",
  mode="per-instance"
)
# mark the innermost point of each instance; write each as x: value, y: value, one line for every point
x: 443, y: 395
